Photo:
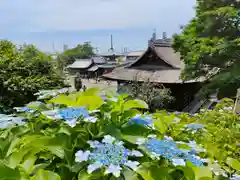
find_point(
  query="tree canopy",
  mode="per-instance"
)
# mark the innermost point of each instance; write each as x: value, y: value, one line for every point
x: 24, y: 71
x: 81, y: 51
x: 210, y: 45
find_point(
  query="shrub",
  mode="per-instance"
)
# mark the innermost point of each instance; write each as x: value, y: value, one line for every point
x: 86, y: 135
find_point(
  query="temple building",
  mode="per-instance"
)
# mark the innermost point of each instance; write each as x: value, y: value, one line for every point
x: 161, y: 65
x: 92, y: 67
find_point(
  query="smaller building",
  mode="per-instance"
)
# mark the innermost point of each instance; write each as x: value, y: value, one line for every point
x: 92, y: 67
x: 133, y: 55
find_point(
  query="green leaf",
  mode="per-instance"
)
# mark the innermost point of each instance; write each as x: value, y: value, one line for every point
x: 160, y: 126
x: 91, y: 92
x: 82, y: 175
x: 202, y: 172
x: 145, y: 174
x: 91, y: 102
x: 235, y: 164
x: 130, y: 175
x: 46, y: 175
x: 135, y: 104
x: 7, y: 173
x: 135, y: 130
x: 131, y: 139
x: 28, y: 163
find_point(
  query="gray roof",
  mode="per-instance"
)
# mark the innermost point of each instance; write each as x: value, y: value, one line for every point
x: 153, y: 73
x: 167, y: 54
x: 81, y: 64
x: 99, y: 59
x: 159, y: 76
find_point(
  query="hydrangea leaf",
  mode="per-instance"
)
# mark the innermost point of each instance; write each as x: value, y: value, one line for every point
x: 135, y: 104
x: 202, y: 172
x: 9, y: 173
x: 235, y: 164
x: 28, y: 163
x: 46, y: 175
x: 160, y: 126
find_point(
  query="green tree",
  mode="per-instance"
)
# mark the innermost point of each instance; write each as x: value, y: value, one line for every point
x: 23, y: 72
x: 81, y: 51
x: 210, y: 45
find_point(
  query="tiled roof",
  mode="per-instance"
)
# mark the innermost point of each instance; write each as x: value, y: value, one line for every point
x: 81, y: 64
x: 99, y: 59
x: 160, y: 76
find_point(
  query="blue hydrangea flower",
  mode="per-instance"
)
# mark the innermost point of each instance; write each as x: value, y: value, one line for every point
x: 145, y: 120
x: 109, y: 154
x: 70, y: 115
x: 168, y: 149
x: 196, y: 160
x: 73, y: 113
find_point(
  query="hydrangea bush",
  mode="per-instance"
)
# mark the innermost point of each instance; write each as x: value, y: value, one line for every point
x: 94, y: 135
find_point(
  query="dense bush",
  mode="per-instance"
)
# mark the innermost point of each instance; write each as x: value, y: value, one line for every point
x: 90, y: 136
x: 23, y: 71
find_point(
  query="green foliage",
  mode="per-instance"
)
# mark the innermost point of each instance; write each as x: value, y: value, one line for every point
x: 45, y: 148
x: 209, y: 45
x: 81, y: 51
x: 157, y: 97
x: 23, y: 72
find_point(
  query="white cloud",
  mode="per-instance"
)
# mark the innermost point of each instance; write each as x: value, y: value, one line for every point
x: 65, y: 15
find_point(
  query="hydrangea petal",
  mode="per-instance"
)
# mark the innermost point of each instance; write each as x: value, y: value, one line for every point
x: 108, y: 139
x: 132, y: 164
x: 71, y: 123
x: 91, y: 119
x: 93, y: 144
x: 113, y: 169
x: 81, y: 156
x: 140, y: 141
x: 93, y: 167
x: 178, y: 162
x: 136, y: 153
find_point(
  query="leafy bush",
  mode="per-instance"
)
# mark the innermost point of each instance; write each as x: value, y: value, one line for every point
x: 92, y: 135
x: 23, y: 72
x: 157, y: 97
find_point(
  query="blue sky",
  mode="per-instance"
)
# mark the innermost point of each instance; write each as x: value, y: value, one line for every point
x: 131, y: 22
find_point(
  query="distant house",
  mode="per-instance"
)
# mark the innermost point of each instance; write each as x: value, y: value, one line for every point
x: 133, y: 55
x: 159, y: 64
x: 92, y: 67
